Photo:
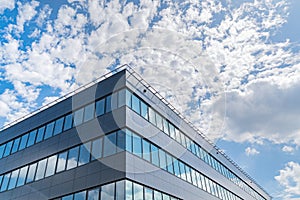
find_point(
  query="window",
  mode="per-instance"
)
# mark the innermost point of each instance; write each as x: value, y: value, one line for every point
x: 84, y: 153
x: 49, y: 130
x: 23, y: 142
x: 93, y: 194
x: 22, y: 176
x: 152, y: 116
x: 121, y: 141
x: 157, y: 195
x: 68, y: 122
x: 31, y: 139
x: 40, y: 172
x: 146, y: 150
x: 162, y: 159
x: 114, y: 101
x: 166, y: 126
x: 72, y: 158
x: 97, y: 149
x: 5, y: 181
x: 136, y: 104
x: 194, y: 177
x: 40, y: 134
x: 69, y: 197
x: 8, y: 148
x: 108, y: 104
x: 61, y: 162
x: 108, y: 191
x: 128, y: 141
x: 170, y: 163
x: 100, y: 107
x: 182, y: 171
x: 148, y: 193
x: 78, y: 117
x: 13, y: 179
x: 172, y: 131
x: 154, y: 155
x: 188, y: 173
x: 144, y: 110
x: 121, y: 98
x: 176, y: 167
x: 31, y: 173
x: 128, y: 98
x: 159, y: 121
x: 128, y: 190
x: 110, y: 144
x: 137, y: 145
x: 51, y: 165
x: 16, y: 145
x: 137, y: 191
x: 89, y: 112
x: 2, y: 147
x: 120, y: 190
x: 58, y: 126
x: 80, y: 195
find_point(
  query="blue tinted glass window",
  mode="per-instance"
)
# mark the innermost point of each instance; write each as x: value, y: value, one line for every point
x: 128, y: 141
x: 89, y: 112
x: 166, y: 197
x: 22, y: 176
x: 108, y: 104
x: 170, y: 167
x: 182, y: 170
x: 154, y: 155
x: 1, y: 177
x: 61, y: 161
x: 50, y: 170
x: 40, y: 172
x: 148, y: 193
x: 178, y: 136
x: 16, y: 145
x: 128, y: 190
x: 100, y: 107
x: 110, y: 144
x: 121, y: 98
x: 23, y: 143
x: 8, y: 148
x: 157, y: 195
x: 194, y: 178
x: 58, y: 126
x: 188, y: 173
x: 80, y: 195
x: 159, y: 121
x: 137, y: 192
x: 136, y: 104
x: 172, y: 131
x: 121, y: 141
x: 128, y: 98
x: 2, y: 147
x: 31, y: 139
x: 93, y: 194
x: 146, y: 150
x: 40, y: 134
x: 162, y: 159
x: 73, y: 158
x: 144, y: 110
x: 69, y: 197
x: 84, y: 153
x: 108, y: 191
x: 137, y: 145
x: 97, y: 148
x: 78, y: 117
x: 120, y: 190
x: 49, y: 130
x: 13, y: 179
x: 68, y: 122
x: 5, y: 181
x: 31, y: 173
x: 152, y: 116
x: 114, y: 101
x: 166, y: 126
x: 176, y: 167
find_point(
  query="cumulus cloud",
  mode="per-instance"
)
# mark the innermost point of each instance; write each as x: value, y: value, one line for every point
x: 7, y: 4
x: 251, y: 151
x: 288, y: 149
x: 289, y: 178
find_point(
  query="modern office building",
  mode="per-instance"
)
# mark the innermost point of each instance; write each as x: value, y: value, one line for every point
x: 115, y: 138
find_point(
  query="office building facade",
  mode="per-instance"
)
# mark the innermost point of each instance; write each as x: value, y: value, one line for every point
x: 116, y: 138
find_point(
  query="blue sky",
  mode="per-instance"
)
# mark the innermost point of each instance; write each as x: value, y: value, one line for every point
x: 233, y: 68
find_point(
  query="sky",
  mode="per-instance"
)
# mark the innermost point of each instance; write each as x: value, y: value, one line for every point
x: 231, y: 67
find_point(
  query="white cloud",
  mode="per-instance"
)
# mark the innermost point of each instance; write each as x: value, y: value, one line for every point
x: 25, y: 13
x: 6, y: 4
x: 251, y: 151
x: 288, y: 149
x: 289, y: 178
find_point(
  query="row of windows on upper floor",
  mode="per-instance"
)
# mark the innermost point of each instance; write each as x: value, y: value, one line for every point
x: 140, y: 107
x: 120, y: 190
x: 105, y: 146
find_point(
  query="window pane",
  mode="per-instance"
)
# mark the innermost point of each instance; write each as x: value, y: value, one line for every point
x: 128, y: 141
x: 58, y: 126
x: 157, y: 195
x: 170, y: 164
x: 5, y: 181
x: 166, y: 126
x: 40, y: 134
x: 144, y: 110
x: 51, y: 165
x: 152, y: 116
x: 136, y: 104
x: 120, y: 141
x: 166, y: 197
x: 2, y: 147
x: 16, y: 145
x: 108, y: 191
x: 121, y: 98
x: 89, y: 112
x: 120, y: 190
x: 22, y: 176
x: 162, y: 159
x: 114, y: 101
x: 137, y: 145
x: 176, y: 167
x: 128, y: 98
x: 138, y: 192
x: 31, y: 139
x: 93, y: 194
x: 40, y: 172
x: 97, y: 148
x: 100, y: 107
x: 177, y: 136
x: 13, y: 179
x: 31, y: 173
x: 23, y: 142
x: 172, y: 131
x: 108, y: 104
x: 110, y: 147
x: 69, y: 197
x: 188, y: 174
x: 8, y: 148
x: 68, y: 122
x: 62, y: 160
x: 84, y: 153
x: 129, y: 190
x: 78, y: 117
x: 72, y: 158
x: 148, y: 193
x: 49, y: 130
x: 80, y: 196
x: 159, y: 121
x: 154, y: 155
x: 182, y: 171
x: 146, y: 150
